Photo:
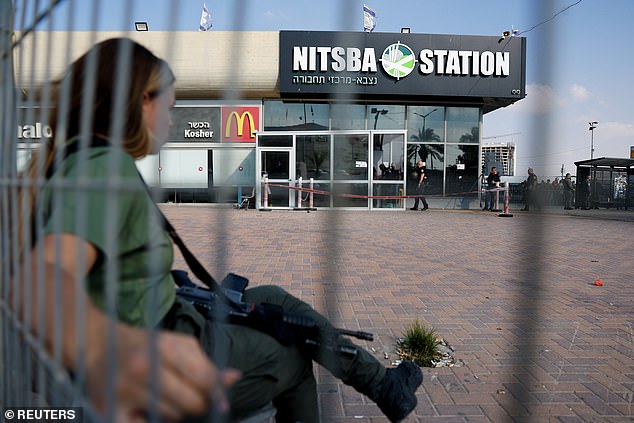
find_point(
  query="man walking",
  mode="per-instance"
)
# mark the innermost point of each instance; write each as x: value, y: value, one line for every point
x: 420, y: 181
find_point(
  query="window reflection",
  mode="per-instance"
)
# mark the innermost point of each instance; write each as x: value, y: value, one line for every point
x: 388, y: 156
x: 351, y: 156
x: 347, y: 116
x: 426, y: 123
x: 386, y: 117
x: 312, y: 155
x: 433, y: 155
x: 461, y: 169
x: 280, y: 116
x: 463, y: 124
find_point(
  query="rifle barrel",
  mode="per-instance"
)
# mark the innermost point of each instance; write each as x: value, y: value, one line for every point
x: 357, y: 334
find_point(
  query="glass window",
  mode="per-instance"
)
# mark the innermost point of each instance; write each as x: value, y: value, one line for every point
x: 359, y: 194
x: 280, y: 116
x: 433, y: 155
x: 387, y: 156
x: 312, y: 155
x: 386, y: 117
x: 275, y: 140
x: 463, y: 125
x: 351, y: 157
x: 461, y: 169
x: 347, y: 116
x: 389, y: 190
x: 426, y: 123
x: 319, y: 199
x: 276, y: 164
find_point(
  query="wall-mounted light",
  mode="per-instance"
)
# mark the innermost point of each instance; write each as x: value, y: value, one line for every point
x: 141, y: 26
x: 512, y: 33
x: 405, y: 30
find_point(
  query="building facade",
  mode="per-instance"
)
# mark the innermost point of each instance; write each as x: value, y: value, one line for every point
x: 352, y: 112
x: 501, y: 155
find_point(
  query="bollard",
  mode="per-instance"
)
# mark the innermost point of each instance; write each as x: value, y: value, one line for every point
x: 310, y: 195
x: 266, y: 193
x: 299, y: 193
x: 497, y: 197
x: 507, y: 199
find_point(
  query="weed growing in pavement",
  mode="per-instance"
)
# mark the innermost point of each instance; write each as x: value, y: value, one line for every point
x: 420, y: 345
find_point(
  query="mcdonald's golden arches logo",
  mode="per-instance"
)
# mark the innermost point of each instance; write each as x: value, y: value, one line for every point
x: 240, y: 123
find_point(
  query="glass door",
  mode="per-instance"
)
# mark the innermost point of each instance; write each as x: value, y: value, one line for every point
x: 275, y: 163
x: 388, y: 175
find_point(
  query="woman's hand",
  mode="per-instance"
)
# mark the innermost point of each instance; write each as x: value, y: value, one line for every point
x: 181, y: 382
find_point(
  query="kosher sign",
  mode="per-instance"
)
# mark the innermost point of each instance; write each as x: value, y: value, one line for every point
x: 397, y: 64
x: 195, y: 124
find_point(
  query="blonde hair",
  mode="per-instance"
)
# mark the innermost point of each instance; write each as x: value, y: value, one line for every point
x: 95, y: 78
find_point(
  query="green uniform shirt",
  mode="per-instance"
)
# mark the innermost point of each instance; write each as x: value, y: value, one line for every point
x: 98, y: 195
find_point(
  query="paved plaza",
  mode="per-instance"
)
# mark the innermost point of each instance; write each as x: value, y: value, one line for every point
x: 534, y: 338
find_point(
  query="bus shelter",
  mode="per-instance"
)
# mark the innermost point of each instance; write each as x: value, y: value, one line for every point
x: 612, y: 181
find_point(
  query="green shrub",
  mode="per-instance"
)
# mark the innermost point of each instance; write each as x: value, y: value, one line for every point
x: 419, y: 344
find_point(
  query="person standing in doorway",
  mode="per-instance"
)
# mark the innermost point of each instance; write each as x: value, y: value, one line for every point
x: 420, y: 186
x: 493, y: 182
x: 569, y: 192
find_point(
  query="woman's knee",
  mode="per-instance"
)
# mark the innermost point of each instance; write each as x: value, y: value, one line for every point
x: 266, y: 294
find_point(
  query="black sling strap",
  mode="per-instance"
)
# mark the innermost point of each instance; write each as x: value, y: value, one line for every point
x: 196, y: 267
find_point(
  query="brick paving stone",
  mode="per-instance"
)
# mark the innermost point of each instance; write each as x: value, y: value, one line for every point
x: 514, y: 297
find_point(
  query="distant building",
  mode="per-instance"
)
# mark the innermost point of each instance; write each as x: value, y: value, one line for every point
x: 495, y: 154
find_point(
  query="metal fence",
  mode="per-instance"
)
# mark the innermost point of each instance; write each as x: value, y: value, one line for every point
x: 32, y: 372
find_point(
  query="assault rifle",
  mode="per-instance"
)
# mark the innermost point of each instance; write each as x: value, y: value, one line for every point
x: 286, y: 327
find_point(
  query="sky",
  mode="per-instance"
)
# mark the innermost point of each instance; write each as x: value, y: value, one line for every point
x: 580, y: 56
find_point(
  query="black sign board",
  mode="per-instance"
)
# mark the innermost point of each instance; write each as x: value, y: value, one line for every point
x: 380, y: 65
x: 195, y: 124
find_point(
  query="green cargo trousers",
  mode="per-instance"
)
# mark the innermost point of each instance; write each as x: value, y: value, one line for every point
x: 270, y: 370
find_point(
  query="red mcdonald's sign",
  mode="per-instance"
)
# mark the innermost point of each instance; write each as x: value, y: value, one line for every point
x: 240, y: 123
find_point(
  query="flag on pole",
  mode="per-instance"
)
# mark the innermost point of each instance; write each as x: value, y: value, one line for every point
x: 205, y: 19
x: 369, y: 19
